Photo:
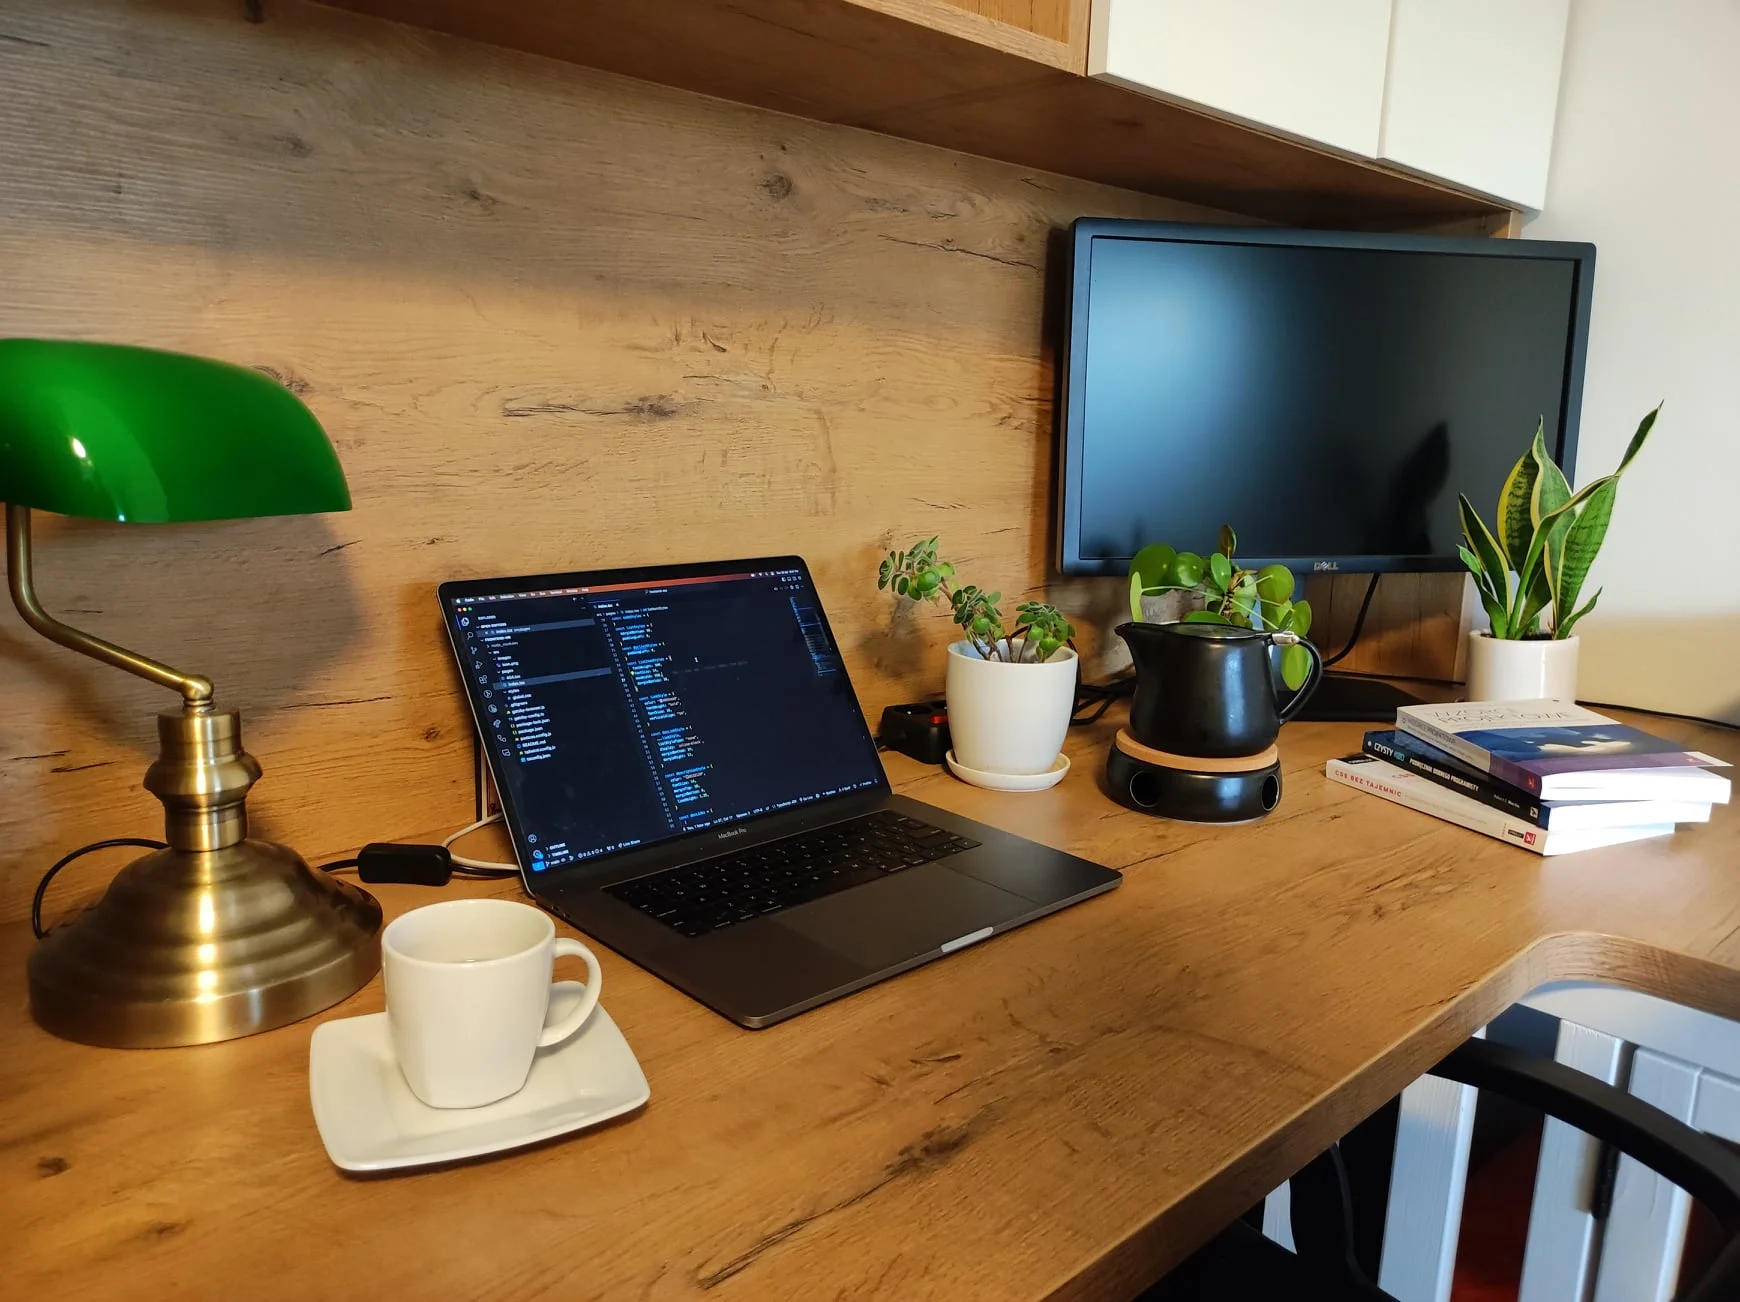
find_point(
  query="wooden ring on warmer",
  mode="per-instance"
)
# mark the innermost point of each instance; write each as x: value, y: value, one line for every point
x: 1195, y: 763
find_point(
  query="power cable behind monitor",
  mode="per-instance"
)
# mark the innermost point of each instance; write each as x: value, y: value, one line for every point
x: 1354, y: 698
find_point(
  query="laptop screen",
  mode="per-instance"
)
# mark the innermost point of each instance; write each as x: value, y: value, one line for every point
x: 622, y: 710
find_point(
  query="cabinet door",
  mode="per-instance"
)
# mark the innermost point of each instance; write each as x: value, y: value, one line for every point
x: 1312, y: 70
x: 1472, y: 91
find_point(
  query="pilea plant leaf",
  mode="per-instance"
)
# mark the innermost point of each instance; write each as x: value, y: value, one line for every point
x: 1275, y: 583
x: 1295, y: 666
x: 1259, y: 599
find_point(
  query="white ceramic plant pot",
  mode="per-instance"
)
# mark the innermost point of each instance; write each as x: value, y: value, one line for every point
x: 1009, y: 718
x: 1530, y: 669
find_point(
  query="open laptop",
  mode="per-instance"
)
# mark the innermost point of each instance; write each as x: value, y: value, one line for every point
x: 687, y: 776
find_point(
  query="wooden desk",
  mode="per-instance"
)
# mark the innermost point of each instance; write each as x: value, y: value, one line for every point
x: 1064, y: 1111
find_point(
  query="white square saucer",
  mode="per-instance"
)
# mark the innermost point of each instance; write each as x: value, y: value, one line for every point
x: 370, y: 1121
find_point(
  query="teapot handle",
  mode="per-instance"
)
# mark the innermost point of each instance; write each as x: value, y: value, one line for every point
x: 1312, y: 678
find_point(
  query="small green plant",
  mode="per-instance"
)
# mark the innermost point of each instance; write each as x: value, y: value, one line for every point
x: 1547, y: 539
x: 921, y: 574
x: 1260, y: 599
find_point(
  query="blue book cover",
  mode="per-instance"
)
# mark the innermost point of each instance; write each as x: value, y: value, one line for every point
x: 1538, y: 745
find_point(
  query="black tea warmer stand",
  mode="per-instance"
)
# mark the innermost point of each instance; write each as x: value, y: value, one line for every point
x: 1200, y: 745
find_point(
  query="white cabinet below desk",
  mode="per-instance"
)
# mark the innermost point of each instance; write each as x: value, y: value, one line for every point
x: 1313, y: 70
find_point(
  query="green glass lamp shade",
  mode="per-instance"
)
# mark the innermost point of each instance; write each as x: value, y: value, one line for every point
x: 118, y: 433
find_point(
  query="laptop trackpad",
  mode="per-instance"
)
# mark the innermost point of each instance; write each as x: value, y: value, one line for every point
x: 903, y: 916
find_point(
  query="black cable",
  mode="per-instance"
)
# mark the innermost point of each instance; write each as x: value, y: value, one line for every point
x: 1082, y: 720
x: 47, y: 877
x: 1358, y: 624
x: 1102, y: 695
x: 411, y: 864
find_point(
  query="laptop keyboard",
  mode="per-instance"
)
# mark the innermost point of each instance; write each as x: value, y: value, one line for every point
x: 705, y: 897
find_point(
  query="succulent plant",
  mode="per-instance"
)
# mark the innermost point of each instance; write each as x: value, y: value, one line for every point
x: 919, y: 573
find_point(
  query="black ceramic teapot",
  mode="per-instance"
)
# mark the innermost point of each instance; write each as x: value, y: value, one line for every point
x: 1211, y: 690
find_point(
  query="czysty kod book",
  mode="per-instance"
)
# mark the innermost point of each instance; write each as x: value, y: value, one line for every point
x: 1559, y: 751
x: 1404, y: 788
x: 1416, y: 756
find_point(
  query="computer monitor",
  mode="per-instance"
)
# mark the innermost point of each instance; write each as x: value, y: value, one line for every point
x: 1327, y: 394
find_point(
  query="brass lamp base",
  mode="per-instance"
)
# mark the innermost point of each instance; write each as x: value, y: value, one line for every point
x: 187, y: 947
x: 216, y: 936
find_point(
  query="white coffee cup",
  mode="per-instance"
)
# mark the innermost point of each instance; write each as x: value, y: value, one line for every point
x: 468, y: 995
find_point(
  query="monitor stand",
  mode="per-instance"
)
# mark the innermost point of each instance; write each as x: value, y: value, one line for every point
x: 1356, y: 699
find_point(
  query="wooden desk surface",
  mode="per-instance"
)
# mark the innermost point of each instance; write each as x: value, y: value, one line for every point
x: 1064, y: 1111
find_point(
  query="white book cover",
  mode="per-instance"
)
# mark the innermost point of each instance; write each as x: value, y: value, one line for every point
x: 1557, y: 750
x: 1401, y: 787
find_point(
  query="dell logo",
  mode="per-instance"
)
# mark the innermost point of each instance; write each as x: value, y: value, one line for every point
x: 1326, y: 565
x: 736, y: 831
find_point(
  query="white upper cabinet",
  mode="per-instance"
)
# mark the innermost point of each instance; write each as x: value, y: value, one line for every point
x: 1462, y: 90
x: 1472, y: 93
x: 1309, y: 68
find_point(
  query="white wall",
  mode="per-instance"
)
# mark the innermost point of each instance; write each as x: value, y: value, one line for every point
x: 1646, y: 164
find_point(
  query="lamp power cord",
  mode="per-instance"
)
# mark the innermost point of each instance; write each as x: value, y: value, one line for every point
x: 49, y: 876
x: 422, y: 865
x: 380, y: 861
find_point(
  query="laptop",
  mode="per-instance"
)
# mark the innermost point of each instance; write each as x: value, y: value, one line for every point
x: 687, y: 776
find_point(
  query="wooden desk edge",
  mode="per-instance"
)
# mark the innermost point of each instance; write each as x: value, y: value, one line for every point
x: 1174, y: 1232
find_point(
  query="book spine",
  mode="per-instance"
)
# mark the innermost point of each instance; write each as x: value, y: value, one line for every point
x: 1487, y: 793
x: 1500, y: 768
x: 1439, y: 803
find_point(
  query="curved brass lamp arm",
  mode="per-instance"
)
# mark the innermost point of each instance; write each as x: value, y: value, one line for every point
x: 195, y: 691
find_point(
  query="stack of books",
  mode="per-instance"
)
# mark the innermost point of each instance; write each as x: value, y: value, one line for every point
x: 1549, y: 776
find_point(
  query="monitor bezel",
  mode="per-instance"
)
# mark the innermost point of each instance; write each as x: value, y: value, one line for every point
x: 1072, y: 382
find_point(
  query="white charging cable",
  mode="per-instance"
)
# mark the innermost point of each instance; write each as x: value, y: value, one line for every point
x: 479, y: 865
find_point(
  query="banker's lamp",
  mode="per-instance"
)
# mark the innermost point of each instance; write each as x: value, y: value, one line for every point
x: 217, y: 935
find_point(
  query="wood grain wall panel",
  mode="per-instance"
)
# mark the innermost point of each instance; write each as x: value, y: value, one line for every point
x: 551, y: 318
x: 1060, y: 20
x: 1414, y: 628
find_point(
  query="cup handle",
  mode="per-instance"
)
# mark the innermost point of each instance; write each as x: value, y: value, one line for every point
x: 559, y: 1031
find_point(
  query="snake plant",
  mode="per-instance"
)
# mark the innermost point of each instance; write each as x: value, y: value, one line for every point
x: 1547, y: 539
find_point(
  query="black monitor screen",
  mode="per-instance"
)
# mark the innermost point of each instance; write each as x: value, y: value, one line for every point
x: 1328, y: 402
x: 625, y: 713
